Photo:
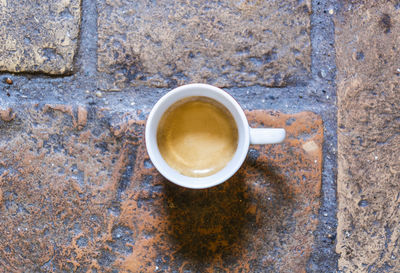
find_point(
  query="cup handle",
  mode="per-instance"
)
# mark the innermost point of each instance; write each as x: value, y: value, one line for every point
x: 267, y: 135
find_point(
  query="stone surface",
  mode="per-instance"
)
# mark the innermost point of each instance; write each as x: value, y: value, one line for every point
x: 367, y: 47
x: 225, y: 43
x: 78, y: 193
x: 38, y: 36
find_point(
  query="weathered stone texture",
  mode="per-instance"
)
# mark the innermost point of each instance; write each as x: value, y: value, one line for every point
x: 60, y: 185
x: 78, y: 192
x: 367, y: 48
x: 225, y: 43
x: 38, y: 36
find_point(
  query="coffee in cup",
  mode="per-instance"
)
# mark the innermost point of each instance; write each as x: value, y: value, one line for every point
x: 197, y: 136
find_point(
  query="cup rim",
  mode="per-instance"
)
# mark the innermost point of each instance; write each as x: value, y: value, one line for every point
x: 172, y: 175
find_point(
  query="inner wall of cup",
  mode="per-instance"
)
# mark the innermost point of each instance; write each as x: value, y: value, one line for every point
x: 243, y: 137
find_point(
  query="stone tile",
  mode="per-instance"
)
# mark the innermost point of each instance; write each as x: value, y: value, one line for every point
x: 60, y: 189
x: 225, y: 43
x: 367, y: 52
x: 78, y: 192
x: 39, y: 36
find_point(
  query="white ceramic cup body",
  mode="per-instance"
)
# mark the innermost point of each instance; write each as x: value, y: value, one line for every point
x: 246, y: 136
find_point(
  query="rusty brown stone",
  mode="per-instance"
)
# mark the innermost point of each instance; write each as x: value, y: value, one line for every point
x: 9, y: 81
x: 39, y: 37
x: 80, y: 199
x: 224, y: 43
x: 367, y: 55
x: 7, y: 115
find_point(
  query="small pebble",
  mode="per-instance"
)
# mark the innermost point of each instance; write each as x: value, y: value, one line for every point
x: 132, y: 103
x: 376, y: 158
x: 331, y: 11
x: 99, y: 94
x: 87, y: 91
x: 325, y: 214
x: 9, y: 81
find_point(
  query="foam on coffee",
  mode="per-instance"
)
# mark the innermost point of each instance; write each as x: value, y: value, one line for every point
x: 197, y: 136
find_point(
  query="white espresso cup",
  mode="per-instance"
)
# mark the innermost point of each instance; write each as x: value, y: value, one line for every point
x: 246, y: 135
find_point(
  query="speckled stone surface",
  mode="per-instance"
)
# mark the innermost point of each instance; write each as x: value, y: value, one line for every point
x: 39, y: 36
x: 367, y: 47
x: 225, y: 43
x: 78, y: 193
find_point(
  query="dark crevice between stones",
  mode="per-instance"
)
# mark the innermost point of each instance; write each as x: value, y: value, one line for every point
x: 323, y: 256
x: 85, y: 57
x: 38, y: 74
x: 126, y: 176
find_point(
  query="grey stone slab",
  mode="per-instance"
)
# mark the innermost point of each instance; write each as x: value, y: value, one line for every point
x: 225, y: 43
x: 38, y: 36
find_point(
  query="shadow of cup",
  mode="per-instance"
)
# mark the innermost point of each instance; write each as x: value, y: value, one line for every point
x: 221, y: 223
x: 208, y: 223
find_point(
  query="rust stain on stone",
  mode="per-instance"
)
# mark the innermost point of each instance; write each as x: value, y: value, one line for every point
x: 7, y: 115
x: 260, y: 220
x: 82, y: 117
x: 90, y: 199
x: 67, y: 109
x: 79, y: 120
